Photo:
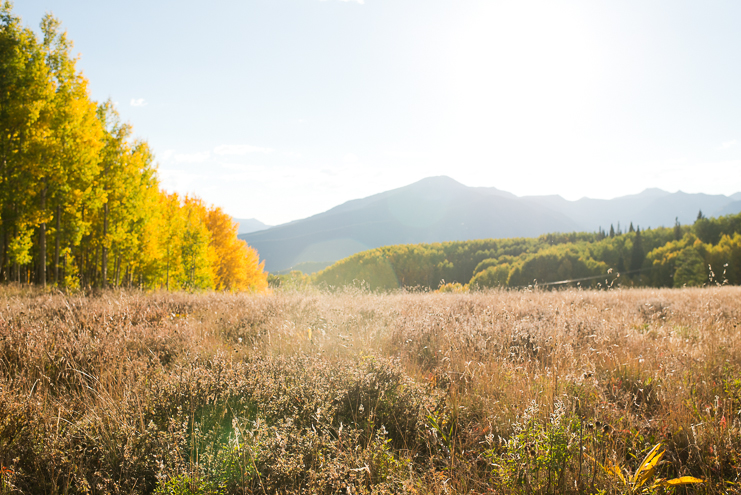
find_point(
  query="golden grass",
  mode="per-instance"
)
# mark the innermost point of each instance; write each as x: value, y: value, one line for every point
x: 310, y: 392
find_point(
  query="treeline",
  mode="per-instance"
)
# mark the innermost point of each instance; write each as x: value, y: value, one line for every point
x: 709, y: 251
x: 80, y: 202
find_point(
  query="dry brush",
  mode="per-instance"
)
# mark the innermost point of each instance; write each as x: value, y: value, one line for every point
x: 312, y: 392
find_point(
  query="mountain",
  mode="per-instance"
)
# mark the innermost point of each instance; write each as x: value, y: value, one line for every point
x: 248, y: 225
x: 432, y: 210
x: 729, y: 209
x: 650, y: 208
x: 438, y: 209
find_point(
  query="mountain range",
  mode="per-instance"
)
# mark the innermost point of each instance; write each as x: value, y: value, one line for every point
x: 438, y: 209
x: 248, y: 225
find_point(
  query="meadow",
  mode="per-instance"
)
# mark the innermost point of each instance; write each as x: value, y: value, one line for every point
x: 359, y: 392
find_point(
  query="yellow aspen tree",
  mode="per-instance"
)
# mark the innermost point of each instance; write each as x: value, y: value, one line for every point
x: 147, y: 267
x: 74, y: 147
x: 126, y: 175
x: 26, y: 90
x: 237, y: 266
x: 68, y: 149
x: 198, y: 257
x: 173, y: 224
x: 130, y: 207
x: 256, y: 279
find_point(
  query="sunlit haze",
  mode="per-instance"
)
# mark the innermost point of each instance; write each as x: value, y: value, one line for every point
x: 280, y: 109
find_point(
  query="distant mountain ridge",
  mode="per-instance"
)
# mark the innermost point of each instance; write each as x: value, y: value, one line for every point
x: 248, y: 225
x: 438, y: 209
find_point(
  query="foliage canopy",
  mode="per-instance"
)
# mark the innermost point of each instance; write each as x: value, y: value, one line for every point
x: 80, y: 202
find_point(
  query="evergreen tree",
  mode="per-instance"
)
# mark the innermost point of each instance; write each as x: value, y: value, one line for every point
x: 677, y: 229
x: 690, y: 268
x: 620, y: 266
x: 637, y: 254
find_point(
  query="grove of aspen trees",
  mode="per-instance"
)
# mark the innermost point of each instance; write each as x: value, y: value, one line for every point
x: 80, y: 201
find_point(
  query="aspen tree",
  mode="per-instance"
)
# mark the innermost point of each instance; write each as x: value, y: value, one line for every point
x: 25, y: 92
x: 197, y: 255
x: 237, y: 266
x: 72, y: 148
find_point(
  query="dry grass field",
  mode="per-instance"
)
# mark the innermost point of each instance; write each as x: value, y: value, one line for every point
x: 354, y: 392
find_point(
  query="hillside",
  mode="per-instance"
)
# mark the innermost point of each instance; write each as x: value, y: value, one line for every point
x: 432, y: 210
x: 439, y: 209
x: 660, y: 257
x: 248, y: 225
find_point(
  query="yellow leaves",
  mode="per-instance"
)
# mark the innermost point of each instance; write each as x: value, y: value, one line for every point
x: 197, y: 247
x: 647, y: 469
x: 453, y: 287
x: 615, y: 470
x: 72, y: 165
x: 641, y: 481
x: 683, y: 480
x: 19, y: 246
x: 237, y: 266
x: 255, y: 277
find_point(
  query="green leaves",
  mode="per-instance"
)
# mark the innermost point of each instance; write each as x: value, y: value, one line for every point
x: 71, y: 168
x: 19, y: 247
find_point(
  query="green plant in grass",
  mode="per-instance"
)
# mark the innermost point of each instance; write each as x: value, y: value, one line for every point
x: 384, y: 466
x: 538, y: 454
x: 442, y: 432
x: 185, y: 485
x: 231, y: 466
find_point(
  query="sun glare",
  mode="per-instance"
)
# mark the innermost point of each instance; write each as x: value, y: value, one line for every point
x: 522, y: 79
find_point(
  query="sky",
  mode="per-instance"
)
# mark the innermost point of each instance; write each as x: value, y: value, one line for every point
x: 281, y: 109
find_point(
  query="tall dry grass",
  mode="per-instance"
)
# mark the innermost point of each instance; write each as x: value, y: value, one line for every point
x: 354, y: 392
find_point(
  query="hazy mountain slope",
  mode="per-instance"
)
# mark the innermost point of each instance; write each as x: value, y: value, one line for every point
x: 590, y: 214
x: 651, y: 208
x: 440, y: 209
x: 431, y: 210
x: 247, y: 225
x: 728, y: 209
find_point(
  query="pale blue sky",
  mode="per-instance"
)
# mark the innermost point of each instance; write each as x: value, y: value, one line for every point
x: 279, y: 109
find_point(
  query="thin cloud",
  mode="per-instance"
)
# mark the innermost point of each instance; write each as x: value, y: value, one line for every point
x: 138, y: 102
x: 179, y: 180
x: 167, y: 155
x: 719, y: 177
x: 191, y: 157
x: 241, y: 177
x: 240, y: 167
x: 350, y: 158
x: 360, y: 2
x: 728, y: 144
x: 240, y: 149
